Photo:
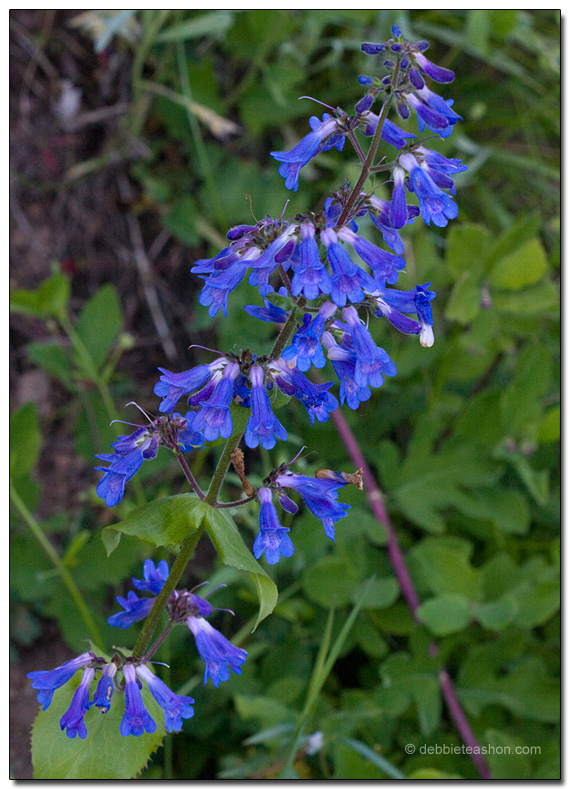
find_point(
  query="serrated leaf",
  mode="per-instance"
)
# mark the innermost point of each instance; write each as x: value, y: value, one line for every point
x: 164, y: 522
x: 25, y: 440
x: 99, y: 323
x: 233, y: 552
x: 104, y: 754
x: 521, y: 268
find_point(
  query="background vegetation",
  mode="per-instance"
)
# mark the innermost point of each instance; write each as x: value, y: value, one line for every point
x: 114, y: 196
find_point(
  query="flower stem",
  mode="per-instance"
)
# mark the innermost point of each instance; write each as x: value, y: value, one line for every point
x: 189, y: 476
x: 180, y: 563
x: 371, y: 156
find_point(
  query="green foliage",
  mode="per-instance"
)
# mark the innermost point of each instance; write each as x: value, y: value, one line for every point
x: 104, y: 754
x: 463, y: 441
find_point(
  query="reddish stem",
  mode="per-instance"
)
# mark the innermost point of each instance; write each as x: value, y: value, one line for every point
x: 376, y: 503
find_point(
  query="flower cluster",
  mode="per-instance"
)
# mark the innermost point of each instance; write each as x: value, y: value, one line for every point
x: 218, y: 654
x: 319, y: 495
x: 136, y: 719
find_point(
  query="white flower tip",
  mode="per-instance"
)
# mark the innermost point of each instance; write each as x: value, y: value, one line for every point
x: 426, y: 337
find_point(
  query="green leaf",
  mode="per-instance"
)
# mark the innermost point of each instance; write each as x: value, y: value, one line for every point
x: 164, y: 522
x: 233, y: 552
x: 445, y: 566
x: 99, y: 323
x: 25, y: 440
x: 496, y: 614
x: 329, y: 580
x: 53, y: 359
x: 49, y: 300
x: 507, y: 758
x: 413, y: 679
x: 467, y: 249
x: 204, y: 25
x: 379, y: 593
x: 465, y: 299
x: 104, y: 754
x: 543, y: 298
x: 549, y: 428
x: 525, y: 228
x: 525, y: 266
x: 445, y: 614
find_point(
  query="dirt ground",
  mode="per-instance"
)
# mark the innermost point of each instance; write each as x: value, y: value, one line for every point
x: 71, y: 200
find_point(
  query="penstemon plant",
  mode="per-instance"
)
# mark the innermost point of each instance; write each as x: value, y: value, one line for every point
x: 323, y: 301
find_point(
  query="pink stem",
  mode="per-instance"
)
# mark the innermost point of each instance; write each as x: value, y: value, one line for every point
x: 376, y: 503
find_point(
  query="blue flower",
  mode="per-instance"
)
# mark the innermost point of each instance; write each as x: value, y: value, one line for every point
x: 263, y: 426
x: 311, y: 277
x: 390, y: 133
x: 344, y: 364
x: 277, y: 254
x: 306, y: 345
x: 214, y: 294
x: 46, y: 682
x: 312, y: 144
x: 392, y: 303
x: 72, y: 720
x: 175, y: 707
x: 319, y: 495
x: 105, y: 687
x: 154, y: 577
x: 435, y: 205
x: 135, y: 610
x: 216, y: 651
x: 440, y: 168
x: 385, y: 265
x: 380, y: 214
x: 315, y: 397
x: 437, y: 73
x: 173, y: 386
x: 213, y: 418
x: 348, y: 280
x: 130, y: 452
x: 273, y: 539
x: 372, y: 362
x: 136, y: 718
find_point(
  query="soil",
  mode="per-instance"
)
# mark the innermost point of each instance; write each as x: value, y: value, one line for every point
x: 72, y: 201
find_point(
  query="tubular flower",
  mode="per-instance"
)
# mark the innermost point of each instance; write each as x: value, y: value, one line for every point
x: 216, y: 651
x: 136, y: 718
x: 170, y: 430
x: 392, y: 303
x: 263, y: 426
x: 213, y: 418
x: 435, y: 205
x: 72, y: 720
x: 175, y: 707
x: 324, y: 135
x: 46, y: 682
x: 306, y: 345
x: 311, y: 279
x: 273, y: 539
x: 372, y: 362
x: 105, y: 687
